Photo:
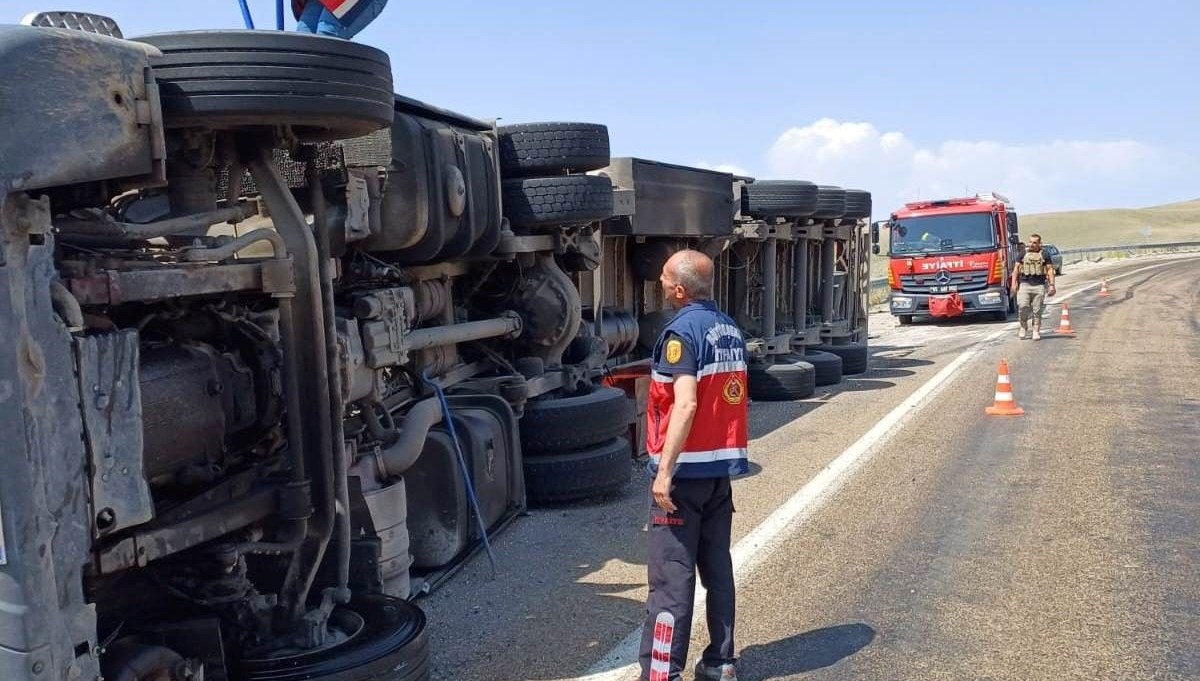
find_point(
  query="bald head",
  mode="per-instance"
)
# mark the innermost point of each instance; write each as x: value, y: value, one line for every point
x: 687, y: 276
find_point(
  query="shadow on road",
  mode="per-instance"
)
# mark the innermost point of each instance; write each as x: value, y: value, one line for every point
x: 805, y: 652
x: 852, y: 384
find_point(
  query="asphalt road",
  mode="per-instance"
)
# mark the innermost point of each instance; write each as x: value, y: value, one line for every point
x: 891, y: 530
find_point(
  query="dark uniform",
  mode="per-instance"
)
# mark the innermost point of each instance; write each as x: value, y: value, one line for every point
x: 703, y: 342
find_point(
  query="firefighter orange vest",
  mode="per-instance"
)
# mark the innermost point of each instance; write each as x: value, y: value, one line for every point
x: 703, y: 342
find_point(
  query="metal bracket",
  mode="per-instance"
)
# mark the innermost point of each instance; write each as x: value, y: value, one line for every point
x: 112, y: 419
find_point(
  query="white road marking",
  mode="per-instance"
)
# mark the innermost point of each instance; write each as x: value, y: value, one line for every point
x: 620, y: 664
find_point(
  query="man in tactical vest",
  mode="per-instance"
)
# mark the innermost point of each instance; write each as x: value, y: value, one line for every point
x: 1032, y: 281
x: 697, y: 433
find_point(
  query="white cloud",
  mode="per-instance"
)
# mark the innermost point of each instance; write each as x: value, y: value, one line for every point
x: 1057, y: 175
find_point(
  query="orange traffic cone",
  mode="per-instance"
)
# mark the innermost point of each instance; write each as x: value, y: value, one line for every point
x: 1064, y: 322
x: 1103, y: 288
x: 1005, y: 404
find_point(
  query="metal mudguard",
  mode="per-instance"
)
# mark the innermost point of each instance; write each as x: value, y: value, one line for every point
x: 47, y: 631
x: 76, y: 107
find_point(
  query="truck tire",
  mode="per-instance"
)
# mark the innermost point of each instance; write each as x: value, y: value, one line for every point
x: 828, y: 366
x: 904, y: 319
x: 779, y: 198
x: 831, y: 203
x: 552, y: 148
x: 592, y: 472
x: 858, y: 204
x: 854, y: 356
x: 392, y: 646
x: 789, y: 378
x: 542, y: 201
x: 567, y: 423
x: 324, y: 88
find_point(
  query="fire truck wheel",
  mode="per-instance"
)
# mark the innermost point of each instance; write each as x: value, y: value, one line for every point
x: 827, y: 364
x: 597, y: 471
x: 789, y: 378
x: 831, y: 203
x: 546, y: 201
x: 854, y: 356
x: 779, y: 198
x: 552, y: 148
x: 858, y: 204
x: 562, y: 424
x: 324, y: 88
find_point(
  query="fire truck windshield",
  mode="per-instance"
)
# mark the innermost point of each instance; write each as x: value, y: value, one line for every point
x: 938, y: 233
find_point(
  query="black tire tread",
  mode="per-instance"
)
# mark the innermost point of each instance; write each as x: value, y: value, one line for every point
x: 597, y: 471
x: 324, y: 88
x: 574, y: 199
x: 855, y: 356
x: 828, y: 366
x: 831, y: 203
x: 569, y: 423
x: 552, y: 148
x: 789, y: 378
x: 858, y: 204
x: 779, y: 198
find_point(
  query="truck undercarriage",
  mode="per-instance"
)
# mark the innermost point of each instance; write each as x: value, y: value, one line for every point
x: 284, y: 347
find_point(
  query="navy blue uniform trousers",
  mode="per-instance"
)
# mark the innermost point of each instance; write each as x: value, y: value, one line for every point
x: 695, y: 537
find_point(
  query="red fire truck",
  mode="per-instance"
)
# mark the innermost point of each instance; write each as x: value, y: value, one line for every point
x: 951, y: 257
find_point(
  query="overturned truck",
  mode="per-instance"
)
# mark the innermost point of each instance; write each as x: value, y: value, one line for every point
x: 283, y: 347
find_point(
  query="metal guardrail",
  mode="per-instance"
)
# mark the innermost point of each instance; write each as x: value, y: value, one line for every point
x: 1131, y: 250
x: 877, y: 290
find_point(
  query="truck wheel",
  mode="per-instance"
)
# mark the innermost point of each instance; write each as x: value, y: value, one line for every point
x: 831, y: 203
x: 1000, y: 315
x: 552, y: 148
x: 787, y: 379
x: 324, y: 88
x: 904, y: 319
x: 541, y: 201
x: 774, y: 198
x: 593, y: 472
x: 386, y: 639
x: 828, y: 366
x: 567, y: 423
x: 858, y: 204
x: 854, y: 356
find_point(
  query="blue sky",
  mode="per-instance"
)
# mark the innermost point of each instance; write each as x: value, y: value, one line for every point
x: 1061, y: 105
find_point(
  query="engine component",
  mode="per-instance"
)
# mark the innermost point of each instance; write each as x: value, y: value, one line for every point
x: 193, y: 400
x: 388, y: 507
x: 387, y: 316
x: 549, y: 305
x: 441, y: 196
x: 618, y: 328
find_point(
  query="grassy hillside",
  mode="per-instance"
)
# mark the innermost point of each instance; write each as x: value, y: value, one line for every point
x: 1172, y: 222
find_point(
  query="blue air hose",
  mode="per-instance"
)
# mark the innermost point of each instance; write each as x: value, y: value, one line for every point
x: 462, y: 462
x: 249, y: 20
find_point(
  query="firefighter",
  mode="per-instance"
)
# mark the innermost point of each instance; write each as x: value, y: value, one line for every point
x: 1032, y: 281
x: 696, y: 436
x: 337, y: 18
